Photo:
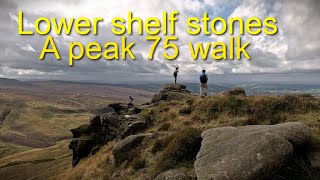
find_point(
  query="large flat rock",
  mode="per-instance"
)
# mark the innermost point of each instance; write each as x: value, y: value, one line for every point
x: 170, y: 87
x: 247, y: 152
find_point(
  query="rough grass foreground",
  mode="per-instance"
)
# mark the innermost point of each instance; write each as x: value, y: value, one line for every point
x: 219, y: 110
x: 256, y: 109
x: 178, y: 123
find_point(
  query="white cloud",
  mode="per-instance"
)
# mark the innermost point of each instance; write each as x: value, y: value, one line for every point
x: 295, y: 46
x: 28, y: 47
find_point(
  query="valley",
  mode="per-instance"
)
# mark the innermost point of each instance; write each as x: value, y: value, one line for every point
x: 37, y: 116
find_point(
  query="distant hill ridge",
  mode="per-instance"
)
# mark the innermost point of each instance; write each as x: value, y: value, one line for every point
x: 251, y: 89
x: 13, y: 82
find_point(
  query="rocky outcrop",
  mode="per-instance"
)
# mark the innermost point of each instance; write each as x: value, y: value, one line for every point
x: 119, y: 107
x: 174, y: 87
x: 174, y: 174
x: 122, y: 149
x: 248, y: 152
x: 133, y: 129
x: 170, y: 92
x: 88, y: 138
x: 235, y: 92
x: 81, y: 130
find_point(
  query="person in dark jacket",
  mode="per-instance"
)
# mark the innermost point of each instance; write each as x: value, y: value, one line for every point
x: 203, y: 84
x: 175, y: 74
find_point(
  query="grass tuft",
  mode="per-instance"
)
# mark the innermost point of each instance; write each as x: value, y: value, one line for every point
x: 181, y: 151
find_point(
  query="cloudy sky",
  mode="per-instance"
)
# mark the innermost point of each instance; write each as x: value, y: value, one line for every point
x: 293, y: 53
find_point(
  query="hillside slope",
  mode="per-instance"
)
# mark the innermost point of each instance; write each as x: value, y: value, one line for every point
x: 38, y: 115
x: 175, y: 119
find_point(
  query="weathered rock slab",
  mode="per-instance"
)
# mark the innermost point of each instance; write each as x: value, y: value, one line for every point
x: 133, y: 129
x: 170, y: 87
x: 122, y: 149
x: 247, y: 152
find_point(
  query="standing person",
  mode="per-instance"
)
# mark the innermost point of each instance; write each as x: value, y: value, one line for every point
x: 130, y: 104
x: 203, y: 84
x: 175, y: 74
